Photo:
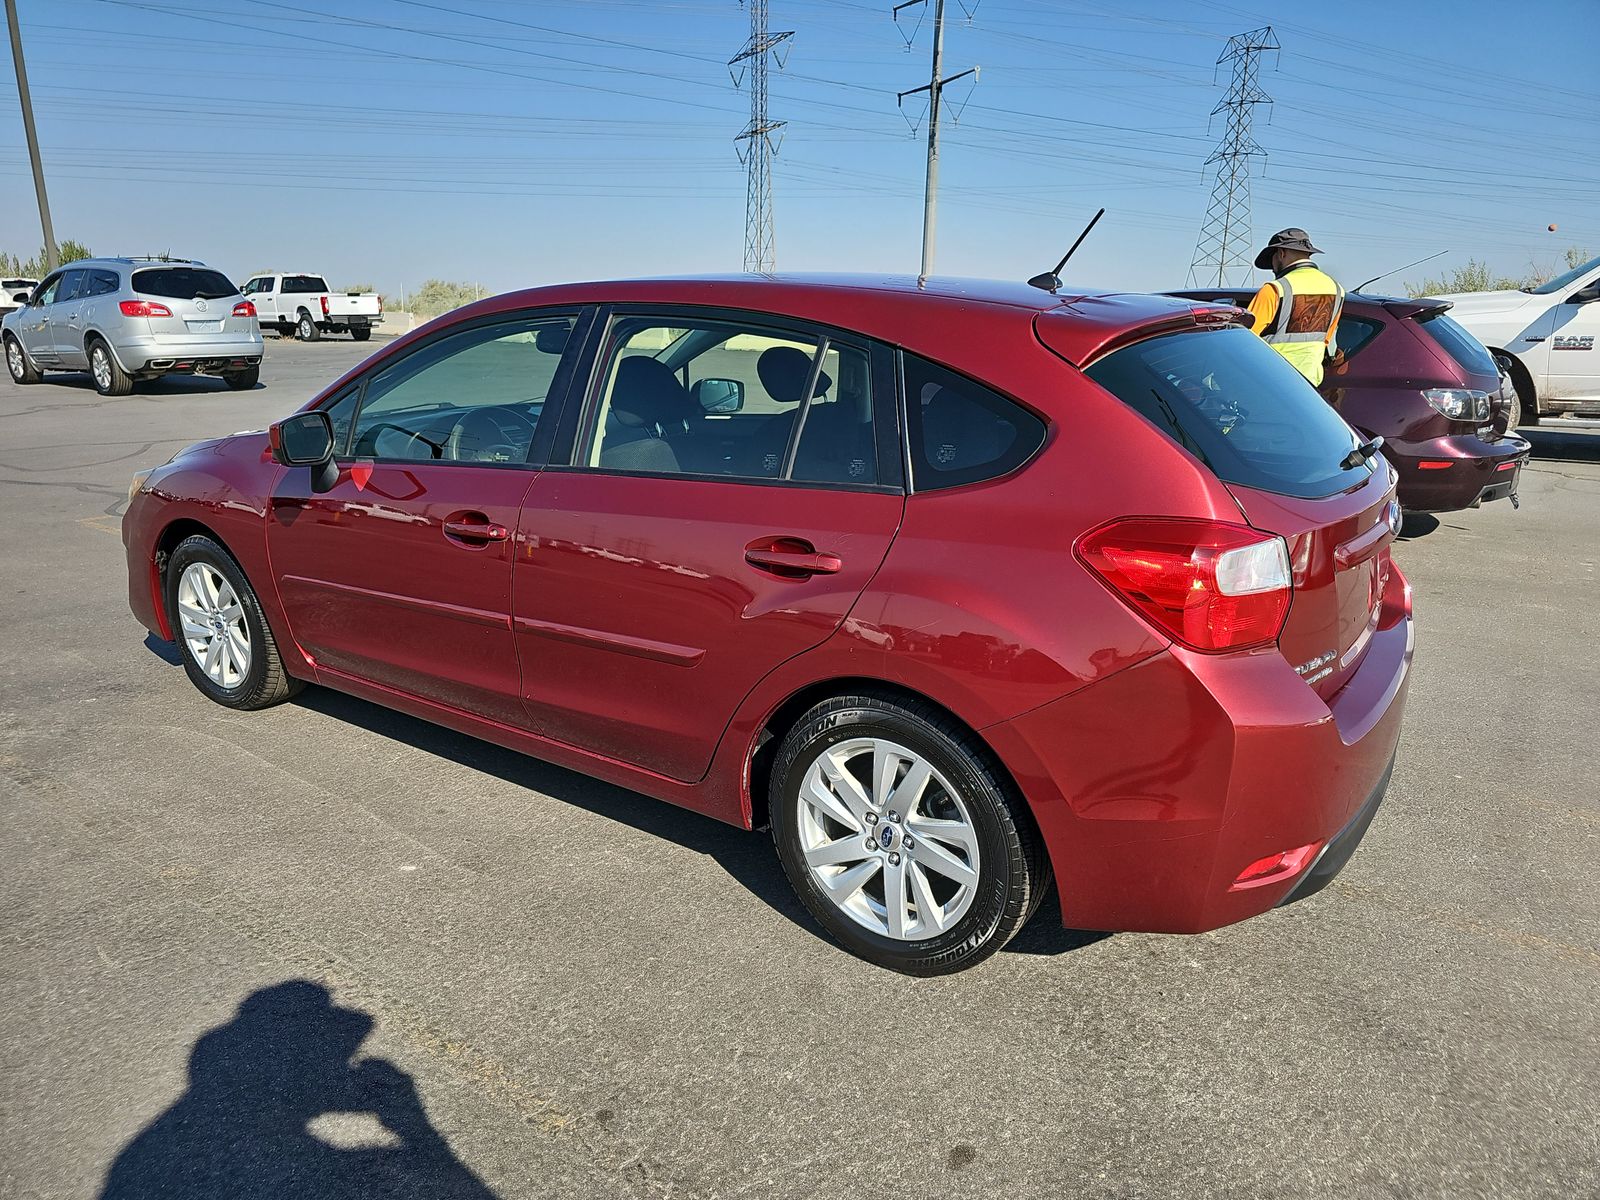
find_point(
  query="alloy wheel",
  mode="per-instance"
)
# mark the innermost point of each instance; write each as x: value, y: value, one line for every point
x: 100, y: 364
x: 214, y: 628
x: 14, y: 359
x: 887, y: 840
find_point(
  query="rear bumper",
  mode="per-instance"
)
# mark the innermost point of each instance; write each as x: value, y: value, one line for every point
x: 1157, y: 787
x: 203, y: 355
x: 1456, y: 471
x: 346, y: 319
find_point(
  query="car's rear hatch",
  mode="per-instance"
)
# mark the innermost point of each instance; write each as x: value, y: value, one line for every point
x: 201, y: 303
x: 1292, y: 465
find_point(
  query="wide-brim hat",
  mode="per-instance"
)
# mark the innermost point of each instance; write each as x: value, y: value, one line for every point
x: 1285, y: 239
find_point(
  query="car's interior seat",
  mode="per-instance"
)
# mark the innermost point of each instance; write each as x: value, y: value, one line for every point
x: 647, y: 418
x: 783, y: 371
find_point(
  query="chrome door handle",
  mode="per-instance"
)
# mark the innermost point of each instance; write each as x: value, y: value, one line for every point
x: 791, y: 556
x: 482, y: 531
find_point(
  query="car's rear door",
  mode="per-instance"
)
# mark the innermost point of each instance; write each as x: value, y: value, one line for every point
x: 400, y: 575
x: 659, y: 580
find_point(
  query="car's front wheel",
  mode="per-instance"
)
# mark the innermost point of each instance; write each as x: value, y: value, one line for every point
x: 901, y: 837
x: 228, y: 650
x: 22, y: 371
x: 109, y: 377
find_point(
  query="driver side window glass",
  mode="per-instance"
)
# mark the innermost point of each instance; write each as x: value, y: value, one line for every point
x: 475, y: 396
x: 48, y: 293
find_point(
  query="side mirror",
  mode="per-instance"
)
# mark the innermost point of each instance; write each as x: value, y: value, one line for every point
x: 306, y: 440
x: 1585, y: 295
x: 719, y: 395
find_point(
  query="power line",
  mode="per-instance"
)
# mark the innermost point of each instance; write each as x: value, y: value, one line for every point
x: 1225, y: 235
x: 935, y: 89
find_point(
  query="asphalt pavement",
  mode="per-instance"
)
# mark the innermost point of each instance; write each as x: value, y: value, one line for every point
x: 327, y: 950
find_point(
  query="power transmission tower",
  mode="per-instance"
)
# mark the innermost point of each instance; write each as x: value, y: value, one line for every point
x: 33, y: 137
x: 755, y: 145
x: 1225, y: 236
x: 935, y: 89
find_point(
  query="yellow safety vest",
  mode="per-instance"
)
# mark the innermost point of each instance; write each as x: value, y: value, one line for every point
x: 1309, y: 304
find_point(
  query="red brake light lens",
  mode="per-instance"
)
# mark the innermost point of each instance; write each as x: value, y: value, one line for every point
x: 1210, y: 585
x: 244, y: 308
x: 324, y: 306
x: 144, y: 308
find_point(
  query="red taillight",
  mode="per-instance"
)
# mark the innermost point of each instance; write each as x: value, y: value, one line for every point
x: 380, y: 305
x: 324, y: 306
x: 144, y: 308
x: 1275, y: 867
x: 1210, y: 585
x: 244, y: 308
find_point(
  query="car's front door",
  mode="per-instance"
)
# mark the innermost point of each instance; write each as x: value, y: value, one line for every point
x: 66, y: 320
x: 400, y: 575
x: 1574, y: 345
x: 33, y: 324
x: 667, y: 568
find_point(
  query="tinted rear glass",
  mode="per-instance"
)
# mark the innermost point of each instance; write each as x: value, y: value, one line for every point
x: 1239, y: 407
x: 1354, y: 333
x: 1460, y: 345
x: 183, y: 283
x: 304, y: 283
x: 960, y: 431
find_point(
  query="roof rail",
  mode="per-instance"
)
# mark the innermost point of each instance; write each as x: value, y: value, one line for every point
x: 166, y: 258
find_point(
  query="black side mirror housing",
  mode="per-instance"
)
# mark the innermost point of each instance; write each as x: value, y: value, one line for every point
x: 1585, y: 295
x: 306, y: 440
x: 719, y: 395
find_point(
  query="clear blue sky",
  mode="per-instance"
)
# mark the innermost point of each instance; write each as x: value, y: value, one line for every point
x: 517, y: 143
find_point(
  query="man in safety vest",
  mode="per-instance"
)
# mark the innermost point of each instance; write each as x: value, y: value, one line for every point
x: 1297, y: 311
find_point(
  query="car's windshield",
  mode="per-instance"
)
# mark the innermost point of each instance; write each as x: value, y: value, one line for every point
x: 1564, y: 280
x: 183, y: 283
x: 1239, y: 407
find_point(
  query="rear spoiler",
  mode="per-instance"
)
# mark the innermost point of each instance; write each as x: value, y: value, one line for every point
x: 1420, y: 307
x: 1102, y: 324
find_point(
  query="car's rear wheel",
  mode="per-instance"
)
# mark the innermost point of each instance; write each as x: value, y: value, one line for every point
x: 228, y: 650
x: 901, y: 837
x: 22, y: 371
x: 361, y: 332
x: 306, y: 330
x: 109, y: 378
x: 241, y: 381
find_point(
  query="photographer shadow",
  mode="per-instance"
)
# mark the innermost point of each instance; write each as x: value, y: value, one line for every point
x: 278, y: 1105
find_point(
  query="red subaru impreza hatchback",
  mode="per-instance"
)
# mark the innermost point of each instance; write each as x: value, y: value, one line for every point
x: 960, y: 588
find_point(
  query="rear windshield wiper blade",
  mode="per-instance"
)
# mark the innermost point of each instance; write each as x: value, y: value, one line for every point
x: 1361, y: 454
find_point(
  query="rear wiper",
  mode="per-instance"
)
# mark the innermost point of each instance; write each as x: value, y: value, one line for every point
x: 1361, y: 454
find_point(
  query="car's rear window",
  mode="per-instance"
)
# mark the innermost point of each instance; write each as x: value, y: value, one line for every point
x: 304, y: 283
x: 1238, y: 406
x: 1460, y: 345
x: 183, y: 283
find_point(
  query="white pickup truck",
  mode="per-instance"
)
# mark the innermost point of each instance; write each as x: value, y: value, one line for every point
x: 1551, y: 336
x: 14, y: 291
x: 307, y: 307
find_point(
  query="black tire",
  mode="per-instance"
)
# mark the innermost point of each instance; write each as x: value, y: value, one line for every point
x: 265, y: 682
x: 243, y: 381
x: 306, y: 329
x: 1013, y: 871
x: 1526, y: 410
x: 109, y: 378
x: 361, y: 332
x: 17, y: 362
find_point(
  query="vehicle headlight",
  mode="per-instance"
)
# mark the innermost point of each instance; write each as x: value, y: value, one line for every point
x: 1459, y: 404
x: 137, y: 482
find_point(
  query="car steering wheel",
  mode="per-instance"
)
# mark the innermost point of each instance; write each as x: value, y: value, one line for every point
x: 489, y: 435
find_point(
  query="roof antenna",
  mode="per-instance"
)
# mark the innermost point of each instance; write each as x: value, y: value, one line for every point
x: 1397, y: 270
x: 1050, y: 281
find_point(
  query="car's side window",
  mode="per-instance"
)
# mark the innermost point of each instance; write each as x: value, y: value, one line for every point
x: 1354, y: 333
x: 102, y: 283
x: 47, y: 291
x: 960, y: 431
x: 252, y: 287
x: 729, y: 398
x: 473, y: 396
x: 72, y: 285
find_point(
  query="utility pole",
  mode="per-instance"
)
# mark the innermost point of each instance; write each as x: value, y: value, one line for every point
x: 1225, y: 236
x: 33, y: 137
x: 755, y: 146
x: 934, y: 87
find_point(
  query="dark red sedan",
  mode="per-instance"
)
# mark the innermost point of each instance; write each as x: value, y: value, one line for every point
x: 961, y: 588
x: 1413, y: 376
